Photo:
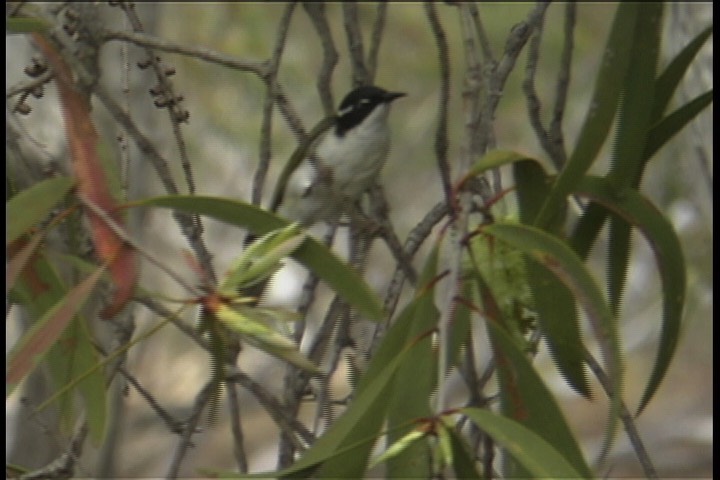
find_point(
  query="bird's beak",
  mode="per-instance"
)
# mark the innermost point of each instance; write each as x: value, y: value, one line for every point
x: 390, y: 96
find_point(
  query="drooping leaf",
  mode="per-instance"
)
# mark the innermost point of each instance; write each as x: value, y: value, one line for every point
x: 313, y: 254
x: 415, y: 380
x: 601, y: 112
x: 537, y: 455
x: 91, y: 180
x: 668, y: 81
x: 557, y: 257
x: 637, y: 211
x: 31, y: 348
x: 552, y: 301
x: 519, y: 382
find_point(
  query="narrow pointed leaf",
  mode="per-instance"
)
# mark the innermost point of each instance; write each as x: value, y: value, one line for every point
x: 463, y: 462
x: 557, y: 257
x: 539, y: 410
x: 531, y: 450
x: 637, y: 211
x: 317, y: 257
x: 399, y: 446
x: 601, y: 112
x: 670, y: 125
x: 46, y: 331
x: 668, y: 81
x: 415, y: 380
x: 31, y: 206
x: 264, y: 337
x: 552, y: 301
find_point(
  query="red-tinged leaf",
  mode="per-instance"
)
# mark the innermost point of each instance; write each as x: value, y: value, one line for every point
x: 21, y: 259
x: 46, y: 331
x: 92, y: 184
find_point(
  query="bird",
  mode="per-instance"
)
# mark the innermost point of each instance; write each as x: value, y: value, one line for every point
x: 347, y: 159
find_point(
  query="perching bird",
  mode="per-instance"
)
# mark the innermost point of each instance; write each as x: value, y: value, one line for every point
x: 349, y: 159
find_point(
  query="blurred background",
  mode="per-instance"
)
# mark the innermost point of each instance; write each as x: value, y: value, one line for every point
x: 223, y: 143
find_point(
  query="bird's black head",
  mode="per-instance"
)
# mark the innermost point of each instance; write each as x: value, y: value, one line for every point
x: 359, y: 103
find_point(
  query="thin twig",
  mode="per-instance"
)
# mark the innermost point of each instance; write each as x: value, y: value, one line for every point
x: 236, y: 428
x: 380, y: 209
x: 63, y: 466
x: 413, y: 242
x: 191, y: 427
x: 441, y: 134
x: 163, y: 312
x: 120, y: 232
x: 175, y: 426
x: 563, y: 83
x: 360, y: 74
x: 375, y: 39
x: 277, y: 412
x: 533, y: 102
x: 187, y: 225
x: 625, y: 416
x: 259, y: 68
x: 316, y: 12
x: 269, y: 102
x: 488, y: 56
x: 30, y: 85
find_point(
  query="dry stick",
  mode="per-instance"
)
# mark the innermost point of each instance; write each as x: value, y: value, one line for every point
x: 146, y: 147
x: 563, y: 83
x: 375, y: 40
x: 316, y: 12
x: 360, y: 74
x: 414, y: 241
x: 550, y: 139
x: 175, y: 426
x: 625, y: 416
x: 201, y: 399
x: 259, y: 68
x: 441, y: 134
x: 118, y: 230
x: 275, y: 409
x: 236, y: 428
x: 269, y: 102
x: 177, y: 115
x: 64, y: 465
x: 460, y: 221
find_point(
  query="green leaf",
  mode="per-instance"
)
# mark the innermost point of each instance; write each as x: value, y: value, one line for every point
x: 17, y: 263
x: 637, y: 211
x: 669, y: 80
x: 493, y: 159
x: 627, y: 161
x: 601, y: 112
x: 415, y: 380
x: 593, y: 219
x: 536, y: 454
x: 261, y: 258
x: 527, y: 399
x: 44, y: 333
x: 399, y: 446
x: 635, y: 118
x: 263, y: 337
x: 317, y: 257
x: 557, y: 257
x: 669, y: 126
x: 31, y: 206
x: 552, y: 301
x: 463, y: 461
x: 80, y: 356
